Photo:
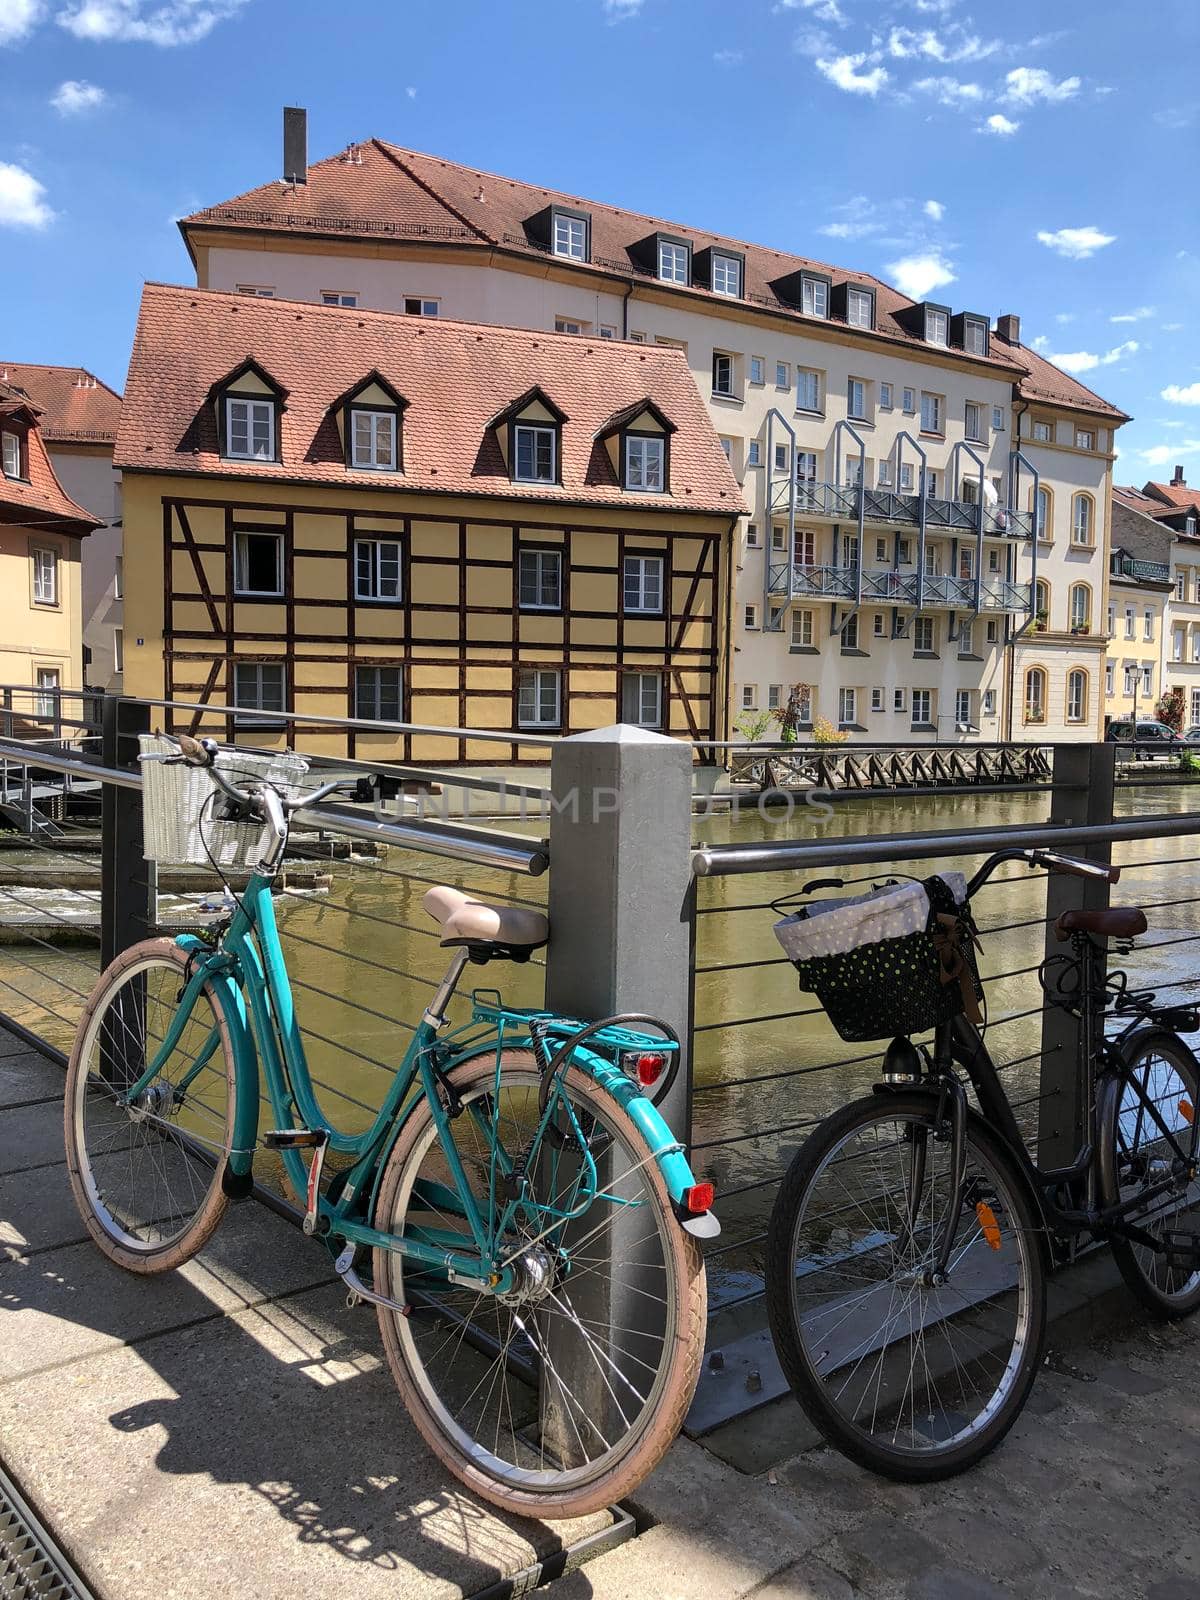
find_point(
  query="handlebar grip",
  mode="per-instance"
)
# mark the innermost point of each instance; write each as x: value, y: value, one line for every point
x: 193, y: 752
x: 1078, y: 869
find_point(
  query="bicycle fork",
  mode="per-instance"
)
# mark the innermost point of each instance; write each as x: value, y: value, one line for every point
x: 949, y: 1123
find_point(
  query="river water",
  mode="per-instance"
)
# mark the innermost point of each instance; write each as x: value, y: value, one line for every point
x: 363, y: 954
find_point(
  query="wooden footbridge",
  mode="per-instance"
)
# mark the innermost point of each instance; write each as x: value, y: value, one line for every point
x: 888, y: 767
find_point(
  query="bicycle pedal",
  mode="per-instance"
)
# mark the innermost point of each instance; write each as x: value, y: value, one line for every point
x: 294, y: 1138
x: 1182, y: 1250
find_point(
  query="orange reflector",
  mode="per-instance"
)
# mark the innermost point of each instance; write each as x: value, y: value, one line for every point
x: 698, y: 1198
x: 987, y: 1221
x: 1187, y: 1111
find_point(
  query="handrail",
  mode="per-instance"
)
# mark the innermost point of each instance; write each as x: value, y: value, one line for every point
x: 366, y: 724
x: 487, y: 847
x: 719, y: 861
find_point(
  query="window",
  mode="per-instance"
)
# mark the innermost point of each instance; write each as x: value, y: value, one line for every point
x: 989, y: 702
x: 643, y: 583
x: 856, y: 399
x: 1176, y: 644
x: 258, y: 686
x: 258, y: 563
x: 726, y: 274
x: 1043, y: 433
x: 414, y: 306
x: 908, y: 400
x: 118, y: 649
x: 965, y: 639
x: 899, y: 699
x: 881, y: 549
x: 1189, y: 525
x: 568, y: 325
x: 1081, y: 519
x: 1035, y: 695
x: 722, y: 373
x: 783, y: 375
x: 933, y: 560
x: 12, y: 455
x: 858, y: 308
x: 962, y: 706
x: 607, y: 330
x: 259, y: 290
x: 377, y: 569
x: 641, y: 699
x: 727, y: 446
x: 906, y: 477
x: 749, y: 697
x: 637, y: 338
x: 808, y: 390
x: 757, y: 369
x: 1130, y: 623
x: 1196, y: 644
x: 849, y: 549
x: 847, y: 707
x: 931, y: 485
x: 883, y: 475
x: 1110, y: 679
x: 922, y: 708
x: 250, y: 429
x: 752, y: 541
x: 975, y: 337
x: 1131, y: 678
x: 47, y: 700
x: 672, y: 262
x: 992, y: 631
x: 802, y: 630
x: 754, y: 454
x: 778, y: 537
x: 1148, y: 624
x: 1076, y: 695
x: 923, y: 640
x: 1081, y: 608
x: 338, y: 297
x: 750, y: 616
x: 997, y: 419
x: 373, y: 440
x: 805, y: 547
x: 1181, y: 586
x: 570, y: 237
x: 645, y: 459
x: 904, y: 552
x: 995, y: 560
x: 854, y: 472
x: 931, y: 413
x: 45, y: 575
x: 1042, y: 517
x: 806, y: 466
x: 885, y: 397
x: 535, y: 452
x: 539, y: 579
x: 538, y: 700
x: 850, y: 632
x: 876, y: 699
x: 937, y: 326
x: 814, y: 297
x: 781, y: 457
x: 1085, y: 439
x: 1147, y: 679
x: 378, y: 694
x: 879, y: 625
x: 774, y: 696
x: 973, y: 421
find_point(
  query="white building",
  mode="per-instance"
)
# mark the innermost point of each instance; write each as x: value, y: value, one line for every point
x: 906, y: 612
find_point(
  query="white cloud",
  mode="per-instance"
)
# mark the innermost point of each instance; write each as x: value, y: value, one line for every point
x: 934, y: 210
x: 411, y: 92
x: 1077, y: 361
x: 1077, y: 244
x: 22, y: 199
x: 729, y: 58
x: 76, y: 97
x: 1139, y: 315
x: 1176, y: 117
x: 1041, y: 342
x: 1064, y: 316
x: 954, y: 44
x: 621, y: 10
x: 843, y: 73
x: 1172, y: 327
x: 18, y: 18
x: 949, y: 91
x: 1025, y: 86
x: 1159, y: 454
x: 170, y: 22
x: 999, y: 124
x: 918, y: 275
x: 1188, y: 395
x: 823, y: 10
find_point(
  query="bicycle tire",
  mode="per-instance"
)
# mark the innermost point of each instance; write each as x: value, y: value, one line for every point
x: 528, y: 1489
x: 178, y: 1160
x: 1168, y: 1292
x: 804, y: 1338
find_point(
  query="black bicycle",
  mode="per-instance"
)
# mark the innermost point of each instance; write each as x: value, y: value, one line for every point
x: 912, y: 1236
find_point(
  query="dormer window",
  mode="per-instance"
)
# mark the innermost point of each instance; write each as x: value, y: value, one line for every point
x: 814, y: 297
x: 726, y: 274
x: 569, y: 235
x: 674, y: 261
x: 937, y: 325
x: 249, y: 429
x: 535, y: 453
x: 529, y: 432
x: 373, y: 440
x: 975, y: 336
x: 638, y: 441
x: 860, y: 308
x: 370, y: 419
x: 645, y: 458
x: 11, y: 454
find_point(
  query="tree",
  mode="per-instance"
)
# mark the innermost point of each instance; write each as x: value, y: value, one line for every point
x: 753, y: 724
x: 824, y: 732
x: 797, y: 713
x: 1170, y: 709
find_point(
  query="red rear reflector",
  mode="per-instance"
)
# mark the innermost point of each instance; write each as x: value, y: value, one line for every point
x: 698, y: 1198
x: 649, y: 1069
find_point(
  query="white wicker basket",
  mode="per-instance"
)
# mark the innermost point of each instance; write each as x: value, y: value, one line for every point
x: 178, y: 820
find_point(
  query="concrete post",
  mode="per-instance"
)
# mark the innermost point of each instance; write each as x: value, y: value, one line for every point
x: 128, y: 884
x: 1083, y: 796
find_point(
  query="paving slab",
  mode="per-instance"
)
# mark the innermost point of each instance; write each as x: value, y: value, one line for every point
x: 25, y: 1075
x: 31, y: 1136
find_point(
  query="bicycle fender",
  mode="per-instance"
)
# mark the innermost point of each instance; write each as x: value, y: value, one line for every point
x: 245, y: 1057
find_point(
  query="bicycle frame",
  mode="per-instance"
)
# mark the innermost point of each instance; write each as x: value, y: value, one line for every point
x: 249, y: 963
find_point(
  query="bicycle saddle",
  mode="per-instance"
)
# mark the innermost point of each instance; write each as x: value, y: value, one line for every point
x: 474, y: 922
x: 1117, y: 922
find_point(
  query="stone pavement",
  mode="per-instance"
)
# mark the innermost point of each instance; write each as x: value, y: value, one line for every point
x: 231, y: 1430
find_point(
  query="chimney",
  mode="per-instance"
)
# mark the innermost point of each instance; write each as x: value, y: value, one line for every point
x: 1009, y: 328
x: 295, y: 144
x: 1179, y: 481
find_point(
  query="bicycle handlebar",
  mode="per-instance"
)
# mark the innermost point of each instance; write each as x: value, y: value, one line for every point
x: 1050, y: 861
x: 204, y: 752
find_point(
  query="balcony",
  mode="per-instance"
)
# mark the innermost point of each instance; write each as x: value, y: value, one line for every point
x: 885, y: 586
x: 840, y: 504
x: 1125, y: 566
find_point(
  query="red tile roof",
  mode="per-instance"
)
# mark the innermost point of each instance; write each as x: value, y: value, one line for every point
x: 40, y: 502
x: 378, y: 189
x: 76, y: 406
x: 455, y: 377
x: 1149, y: 504
x: 1179, y: 495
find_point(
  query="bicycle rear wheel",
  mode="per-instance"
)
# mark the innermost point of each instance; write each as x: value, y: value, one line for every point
x: 911, y: 1380
x: 559, y: 1398
x: 1157, y: 1081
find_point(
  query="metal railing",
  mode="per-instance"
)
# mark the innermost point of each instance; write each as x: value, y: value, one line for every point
x: 841, y: 502
x: 891, y: 586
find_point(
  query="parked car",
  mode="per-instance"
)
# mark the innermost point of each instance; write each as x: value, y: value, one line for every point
x: 1148, y: 738
x: 1192, y: 735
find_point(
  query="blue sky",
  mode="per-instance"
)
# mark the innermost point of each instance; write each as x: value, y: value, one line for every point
x: 1011, y: 157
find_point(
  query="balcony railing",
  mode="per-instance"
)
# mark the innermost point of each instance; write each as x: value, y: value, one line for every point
x: 890, y: 587
x: 840, y: 502
x: 1152, y: 571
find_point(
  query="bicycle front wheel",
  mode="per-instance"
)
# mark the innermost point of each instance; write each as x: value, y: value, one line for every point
x: 557, y: 1398
x: 913, y: 1379
x: 146, y: 1170
x: 1148, y: 1137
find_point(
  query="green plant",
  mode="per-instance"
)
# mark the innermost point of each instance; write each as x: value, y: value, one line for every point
x: 796, y: 714
x: 824, y: 732
x: 1170, y: 709
x: 752, y: 725
x: 1188, y: 764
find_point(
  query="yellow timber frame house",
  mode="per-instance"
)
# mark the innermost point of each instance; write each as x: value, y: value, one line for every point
x: 351, y: 514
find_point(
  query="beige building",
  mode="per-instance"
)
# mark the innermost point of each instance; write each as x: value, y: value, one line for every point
x: 1156, y: 527
x: 41, y: 530
x: 79, y: 415
x: 900, y: 609
x: 348, y: 514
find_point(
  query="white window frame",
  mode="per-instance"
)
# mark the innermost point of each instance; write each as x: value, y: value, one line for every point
x: 973, y: 422
x: 962, y: 706
x: 370, y: 459
x: 241, y: 564
x: 45, y: 574
x: 377, y: 555
x: 997, y: 419
x: 814, y: 297
x: 758, y: 369
x: 908, y: 401
x: 937, y: 326
x: 922, y: 700
x: 750, y: 616
x: 564, y: 244
x: 374, y: 713
x: 877, y: 699
x: 932, y: 420
x: 856, y: 399
x: 1148, y: 677
x: 783, y: 375
x: 537, y: 564
x: 975, y: 336
x: 1148, y: 625
x: 803, y: 628
x: 1085, y: 438
x: 645, y: 460
x: 718, y: 357
x: 804, y: 460
x: 1076, y: 705
x: 417, y: 305
x: 532, y: 709
x: 779, y: 537
x: 118, y: 649
x: 671, y: 258
x: 774, y: 697
x: 886, y: 393
x: 923, y: 629
x: 1041, y: 432
x: 749, y: 697
x: 570, y: 325
x: 255, y: 411
x: 754, y: 453
x: 642, y: 585
x: 808, y: 389
x: 119, y: 578
x: 989, y: 703
x: 726, y: 275
x: 48, y: 702
x: 536, y: 431
x: 12, y: 454
x: 847, y: 706
x: 339, y: 297
x: 900, y: 700
x: 1084, y: 525
x: 257, y: 291
x: 648, y: 716
x: 858, y: 308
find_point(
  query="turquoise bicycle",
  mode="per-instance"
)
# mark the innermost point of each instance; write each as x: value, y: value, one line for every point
x: 518, y: 1211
